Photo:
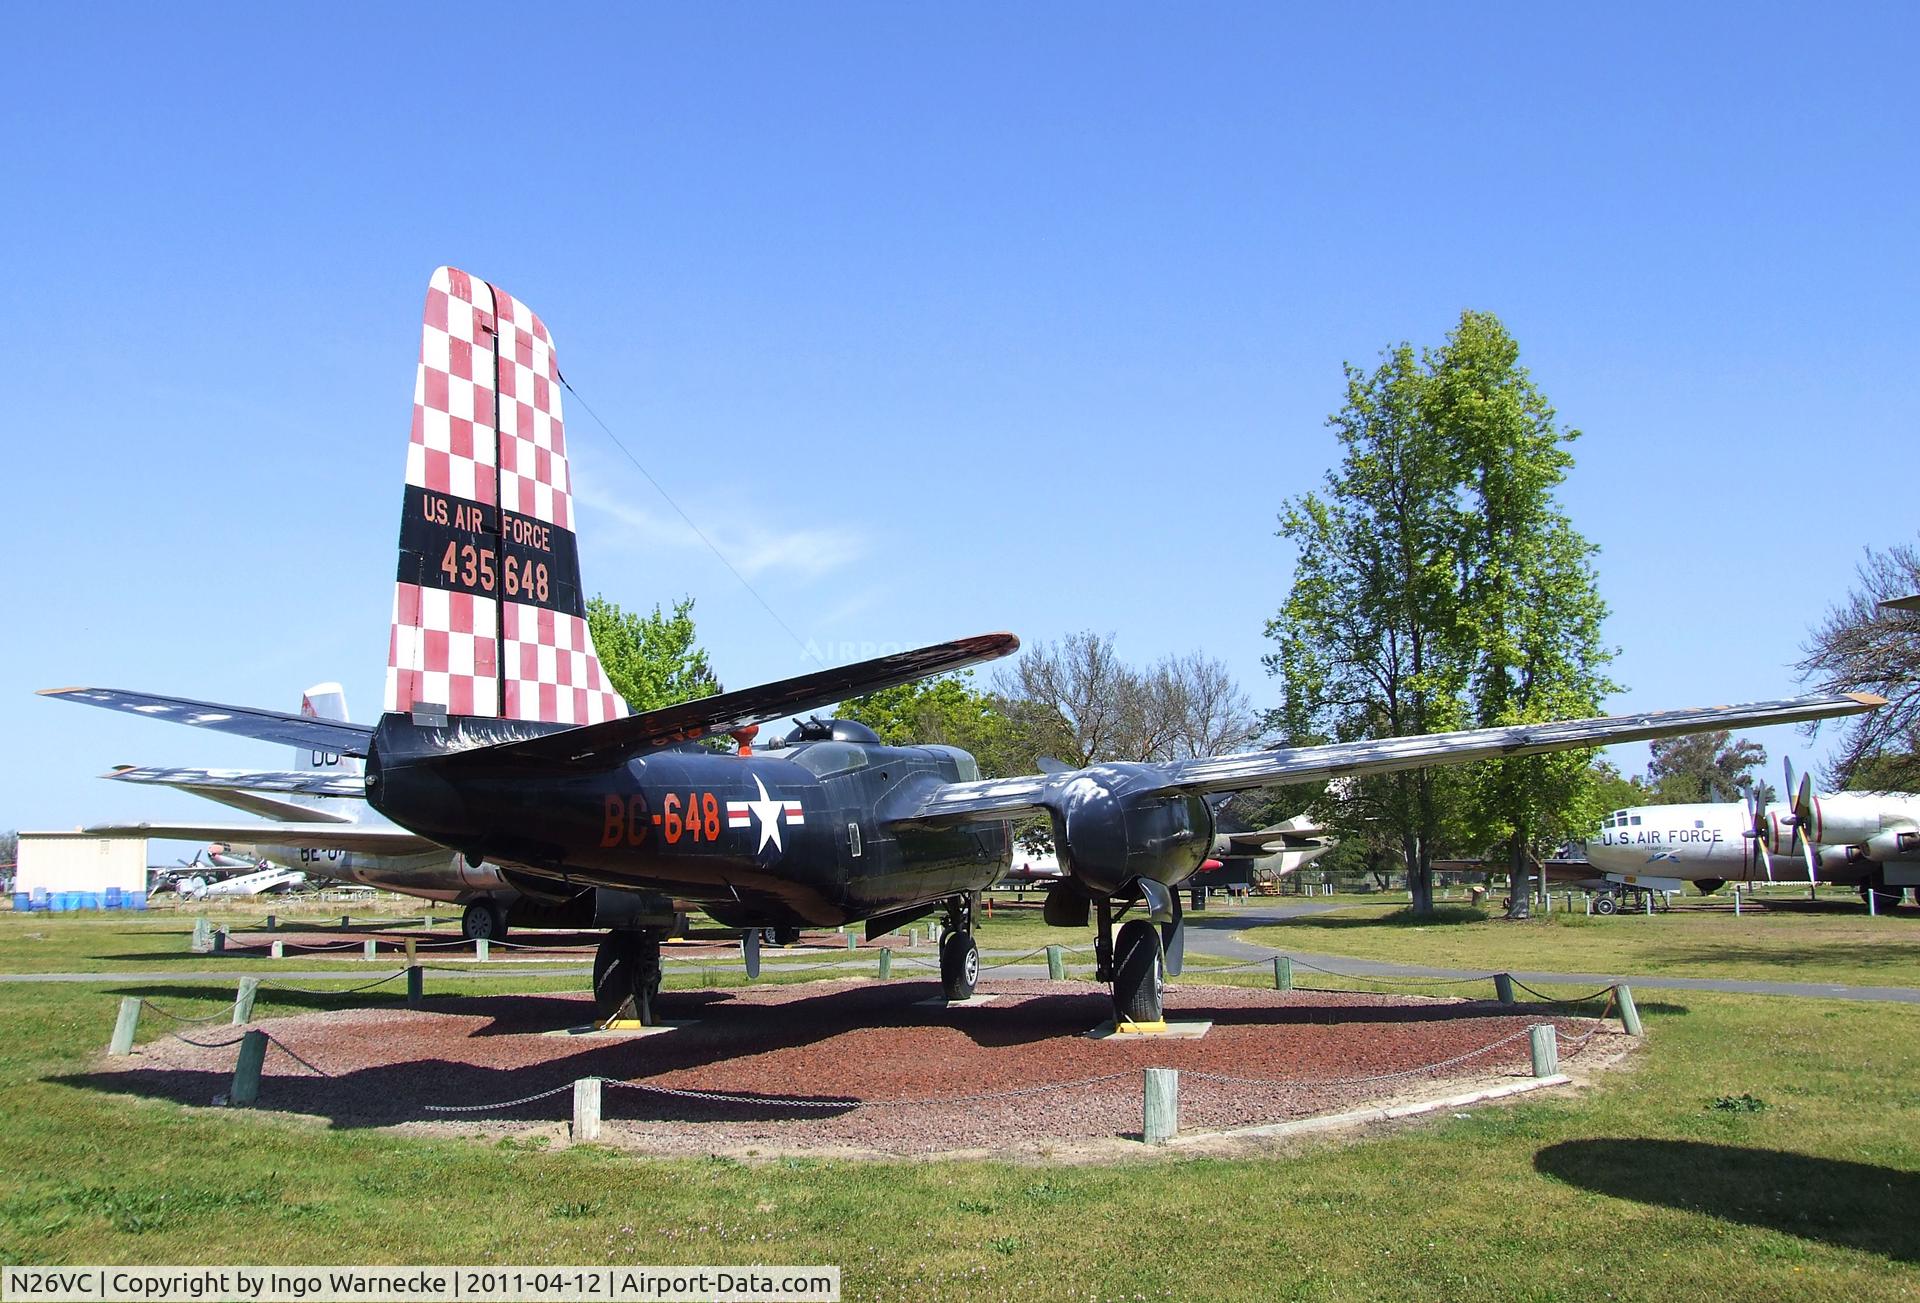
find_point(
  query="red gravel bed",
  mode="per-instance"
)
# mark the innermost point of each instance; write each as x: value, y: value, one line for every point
x: 855, y: 1066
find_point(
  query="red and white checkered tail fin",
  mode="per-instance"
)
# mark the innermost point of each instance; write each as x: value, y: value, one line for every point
x: 488, y: 614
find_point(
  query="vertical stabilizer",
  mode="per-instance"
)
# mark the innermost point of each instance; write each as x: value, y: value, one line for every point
x: 489, y: 617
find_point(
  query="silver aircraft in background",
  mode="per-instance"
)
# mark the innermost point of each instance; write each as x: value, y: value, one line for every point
x: 1869, y: 840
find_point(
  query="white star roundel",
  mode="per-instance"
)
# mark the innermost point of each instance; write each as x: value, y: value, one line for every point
x: 768, y: 812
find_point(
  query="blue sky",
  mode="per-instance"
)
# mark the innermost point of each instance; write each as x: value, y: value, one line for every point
x: 940, y: 319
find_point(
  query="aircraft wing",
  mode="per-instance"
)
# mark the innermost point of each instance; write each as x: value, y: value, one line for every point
x: 1011, y: 797
x: 330, y: 735
x: 265, y: 793
x: 690, y: 721
x: 317, y: 836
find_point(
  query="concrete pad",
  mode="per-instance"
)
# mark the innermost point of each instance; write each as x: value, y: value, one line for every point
x: 971, y: 1002
x: 593, y: 1032
x: 1174, y: 1031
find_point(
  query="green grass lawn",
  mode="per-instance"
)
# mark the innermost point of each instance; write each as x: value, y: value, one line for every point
x: 1789, y: 941
x: 1639, y: 1189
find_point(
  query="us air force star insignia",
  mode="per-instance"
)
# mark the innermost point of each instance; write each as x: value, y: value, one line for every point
x: 768, y: 810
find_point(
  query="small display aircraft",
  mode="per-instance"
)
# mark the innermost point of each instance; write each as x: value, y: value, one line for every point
x: 1868, y: 839
x: 503, y: 742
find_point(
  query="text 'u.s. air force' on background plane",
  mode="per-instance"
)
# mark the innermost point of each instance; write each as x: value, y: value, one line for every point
x: 503, y: 742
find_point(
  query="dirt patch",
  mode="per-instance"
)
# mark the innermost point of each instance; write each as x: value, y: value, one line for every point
x: 863, y: 1067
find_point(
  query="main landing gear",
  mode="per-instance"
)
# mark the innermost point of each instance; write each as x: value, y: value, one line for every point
x: 959, y: 954
x: 483, y: 920
x: 626, y: 977
x: 1135, y: 961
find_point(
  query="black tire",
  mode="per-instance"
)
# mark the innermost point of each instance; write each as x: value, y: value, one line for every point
x: 1604, y: 903
x: 626, y: 977
x: 483, y: 921
x: 786, y: 936
x: 1139, y: 973
x: 959, y: 965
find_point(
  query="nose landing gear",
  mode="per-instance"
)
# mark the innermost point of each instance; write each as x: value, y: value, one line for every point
x: 626, y: 978
x: 959, y: 953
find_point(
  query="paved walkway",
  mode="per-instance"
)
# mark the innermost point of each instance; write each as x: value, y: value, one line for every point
x: 1215, y: 933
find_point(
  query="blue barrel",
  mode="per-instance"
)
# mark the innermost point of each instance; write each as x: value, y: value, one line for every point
x: 111, y: 898
x: 62, y: 901
x: 136, y: 900
x: 22, y: 902
x: 89, y: 900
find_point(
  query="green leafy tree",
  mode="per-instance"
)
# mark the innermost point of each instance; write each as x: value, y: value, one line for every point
x: 1614, y: 790
x: 1371, y: 639
x: 947, y: 710
x: 652, y: 660
x: 1703, y: 767
x: 1531, y: 612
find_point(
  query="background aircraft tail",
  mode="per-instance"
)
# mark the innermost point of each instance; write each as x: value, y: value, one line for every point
x: 489, y: 617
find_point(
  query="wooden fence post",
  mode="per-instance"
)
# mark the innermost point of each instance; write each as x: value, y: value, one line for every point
x: 243, y: 1002
x: 1282, y: 973
x: 1160, y: 1115
x: 1629, y: 1014
x: 886, y: 963
x: 278, y: 950
x: 202, y: 936
x: 125, y: 1025
x: 1056, y: 964
x: 481, y: 947
x: 369, y: 948
x: 246, y: 1070
x: 1503, y: 987
x: 586, y: 1110
x: 1545, y: 1041
x: 415, y: 985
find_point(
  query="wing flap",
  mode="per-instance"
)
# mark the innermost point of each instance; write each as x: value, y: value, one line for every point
x: 332, y: 735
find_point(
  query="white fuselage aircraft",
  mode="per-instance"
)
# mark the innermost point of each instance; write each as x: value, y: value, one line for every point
x: 1867, y: 839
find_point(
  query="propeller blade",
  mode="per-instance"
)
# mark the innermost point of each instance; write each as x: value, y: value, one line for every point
x: 1804, y: 810
x: 1766, y: 860
x: 1806, y: 849
x: 750, y: 951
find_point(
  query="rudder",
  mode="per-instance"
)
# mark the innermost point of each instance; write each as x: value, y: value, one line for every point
x: 489, y: 617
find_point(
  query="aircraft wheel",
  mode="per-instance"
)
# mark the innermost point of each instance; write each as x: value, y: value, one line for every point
x: 959, y: 965
x: 786, y: 936
x: 1604, y: 903
x: 1139, y: 973
x: 1887, y: 897
x: 483, y: 921
x: 626, y: 977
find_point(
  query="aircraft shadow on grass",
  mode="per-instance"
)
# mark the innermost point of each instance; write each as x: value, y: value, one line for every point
x: 1850, y: 1205
x: 721, y: 1027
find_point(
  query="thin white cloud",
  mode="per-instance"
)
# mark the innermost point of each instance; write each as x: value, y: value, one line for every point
x: 752, y: 548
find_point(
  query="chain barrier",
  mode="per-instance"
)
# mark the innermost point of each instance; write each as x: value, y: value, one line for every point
x: 1609, y: 991
x: 492, y: 1108
x: 1392, y: 980
x: 208, y: 1045
x: 351, y: 990
x: 280, y: 1045
x: 212, y: 1017
x: 1363, y: 1080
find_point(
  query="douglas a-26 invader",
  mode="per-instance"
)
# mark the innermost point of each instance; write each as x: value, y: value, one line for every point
x: 503, y: 741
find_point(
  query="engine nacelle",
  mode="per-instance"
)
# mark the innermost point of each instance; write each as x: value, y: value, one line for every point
x: 1835, y: 858
x: 1117, y: 823
x: 1848, y: 817
x: 1894, y: 846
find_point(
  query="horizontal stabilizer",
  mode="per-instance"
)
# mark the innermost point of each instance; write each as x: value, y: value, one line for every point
x: 315, y: 836
x: 330, y: 735
x: 271, y: 794
x: 692, y: 720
